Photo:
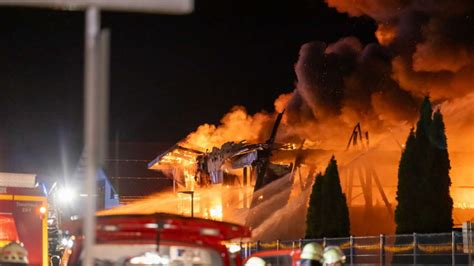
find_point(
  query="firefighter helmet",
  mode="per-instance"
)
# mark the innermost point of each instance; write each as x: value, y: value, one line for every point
x: 333, y: 254
x: 255, y: 261
x: 312, y: 251
x: 14, y: 253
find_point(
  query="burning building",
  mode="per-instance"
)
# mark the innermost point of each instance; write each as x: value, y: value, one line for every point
x: 247, y: 173
x: 234, y: 164
x: 266, y: 185
x: 250, y: 168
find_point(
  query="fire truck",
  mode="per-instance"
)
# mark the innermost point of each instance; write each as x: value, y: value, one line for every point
x: 23, y: 215
x: 163, y: 239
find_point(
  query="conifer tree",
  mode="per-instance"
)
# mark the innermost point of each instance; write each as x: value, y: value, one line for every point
x: 438, y: 197
x: 328, y: 214
x: 313, y: 218
x: 407, y: 211
x: 424, y: 202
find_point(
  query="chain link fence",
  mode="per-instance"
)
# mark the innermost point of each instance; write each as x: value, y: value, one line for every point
x: 455, y: 248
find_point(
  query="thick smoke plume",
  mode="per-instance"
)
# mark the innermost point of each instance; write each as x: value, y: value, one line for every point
x: 432, y: 43
x: 425, y: 47
x: 341, y: 84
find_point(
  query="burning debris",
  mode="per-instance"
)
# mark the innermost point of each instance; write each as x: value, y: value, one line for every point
x: 218, y: 166
x: 259, y: 163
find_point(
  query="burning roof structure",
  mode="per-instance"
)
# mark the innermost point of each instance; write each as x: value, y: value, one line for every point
x: 261, y: 163
x: 251, y: 166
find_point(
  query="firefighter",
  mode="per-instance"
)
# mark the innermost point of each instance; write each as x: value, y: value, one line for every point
x: 255, y: 261
x: 312, y: 254
x: 333, y: 256
x: 14, y: 254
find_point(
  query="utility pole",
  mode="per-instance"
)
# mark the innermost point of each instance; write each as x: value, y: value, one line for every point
x: 95, y: 83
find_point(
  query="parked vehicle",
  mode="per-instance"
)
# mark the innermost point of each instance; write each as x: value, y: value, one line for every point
x: 163, y: 239
x: 23, y: 215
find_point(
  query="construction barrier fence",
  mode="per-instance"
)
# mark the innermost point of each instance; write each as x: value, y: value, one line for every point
x: 455, y: 248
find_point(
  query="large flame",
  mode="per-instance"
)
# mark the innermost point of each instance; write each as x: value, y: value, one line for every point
x: 237, y: 125
x: 219, y: 202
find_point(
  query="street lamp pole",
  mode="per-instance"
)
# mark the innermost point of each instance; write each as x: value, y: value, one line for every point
x: 91, y: 126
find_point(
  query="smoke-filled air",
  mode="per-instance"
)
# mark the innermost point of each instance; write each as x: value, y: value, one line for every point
x: 379, y: 85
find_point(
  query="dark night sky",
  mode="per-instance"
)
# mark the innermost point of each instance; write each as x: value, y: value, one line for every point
x: 168, y: 74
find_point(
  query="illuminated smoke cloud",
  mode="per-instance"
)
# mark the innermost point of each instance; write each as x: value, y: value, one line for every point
x: 424, y: 48
x: 237, y: 125
x: 432, y: 41
x: 343, y: 83
x: 377, y: 9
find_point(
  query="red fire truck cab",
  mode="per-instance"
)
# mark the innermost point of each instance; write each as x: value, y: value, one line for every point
x: 163, y: 239
x: 23, y: 215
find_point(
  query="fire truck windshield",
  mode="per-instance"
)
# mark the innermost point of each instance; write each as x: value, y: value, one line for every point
x: 8, y: 231
x: 147, y: 254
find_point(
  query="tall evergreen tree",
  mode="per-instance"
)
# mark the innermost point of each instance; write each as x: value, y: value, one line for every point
x: 407, y: 211
x: 424, y: 122
x: 440, y: 201
x: 423, y: 162
x: 424, y: 202
x: 313, y: 218
x: 328, y: 214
